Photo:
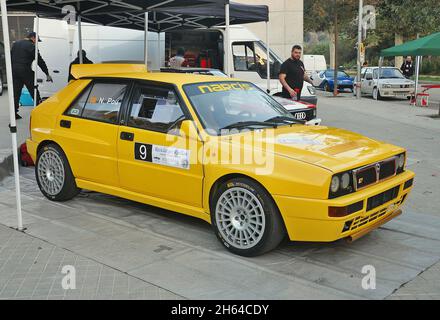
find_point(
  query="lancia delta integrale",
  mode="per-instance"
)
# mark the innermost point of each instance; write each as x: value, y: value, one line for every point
x: 218, y: 149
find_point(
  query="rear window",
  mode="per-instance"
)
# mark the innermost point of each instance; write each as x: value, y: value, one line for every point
x: 100, y: 102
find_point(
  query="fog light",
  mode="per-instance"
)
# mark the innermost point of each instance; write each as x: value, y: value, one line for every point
x: 347, y: 226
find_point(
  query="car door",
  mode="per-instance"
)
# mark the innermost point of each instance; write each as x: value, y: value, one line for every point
x: 89, y: 130
x: 367, y: 81
x: 154, y: 158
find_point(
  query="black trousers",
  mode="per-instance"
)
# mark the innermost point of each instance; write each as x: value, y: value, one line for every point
x: 23, y: 76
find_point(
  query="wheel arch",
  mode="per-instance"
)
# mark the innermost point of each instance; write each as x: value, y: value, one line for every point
x: 216, y: 185
x: 44, y: 143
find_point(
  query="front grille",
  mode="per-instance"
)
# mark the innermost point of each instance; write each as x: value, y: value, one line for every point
x: 382, y: 198
x: 304, y: 114
x: 362, y: 221
x: 365, y: 177
x: 387, y: 169
x: 374, y: 173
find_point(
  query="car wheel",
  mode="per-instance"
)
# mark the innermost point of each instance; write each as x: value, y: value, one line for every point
x: 54, y: 175
x: 245, y: 218
x: 327, y: 87
x: 376, y: 94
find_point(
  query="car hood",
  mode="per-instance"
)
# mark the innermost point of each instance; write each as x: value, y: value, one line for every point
x: 333, y: 149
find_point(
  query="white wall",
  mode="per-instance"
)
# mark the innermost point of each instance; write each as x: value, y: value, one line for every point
x: 286, y: 24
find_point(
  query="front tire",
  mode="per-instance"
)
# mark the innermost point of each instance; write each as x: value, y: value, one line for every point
x: 376, y: 94
x: 54, y: 175
x: 245, y: 218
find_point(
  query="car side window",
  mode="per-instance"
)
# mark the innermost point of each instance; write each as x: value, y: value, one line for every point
x: 155, y: 108
x: 244, y: 57
x: 100, y: 102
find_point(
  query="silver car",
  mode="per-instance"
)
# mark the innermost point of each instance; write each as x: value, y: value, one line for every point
x: 392, y: 83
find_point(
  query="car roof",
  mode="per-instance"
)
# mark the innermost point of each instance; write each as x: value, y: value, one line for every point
x: 136, y: 71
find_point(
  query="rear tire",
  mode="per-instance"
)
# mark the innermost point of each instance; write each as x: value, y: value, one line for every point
x: 54, y: 175
x: 245, y: 218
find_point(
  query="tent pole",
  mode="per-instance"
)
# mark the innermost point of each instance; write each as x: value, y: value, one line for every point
x: 417, y: 77
x: 268, y: 57
x: 80, y: 44
x: 379, y: 72
x: 37, y: 32
x: 159, y: 58
x: 146, y: 40
x: 227, y: 40
x: 13, y: 124
x: 359, y: 67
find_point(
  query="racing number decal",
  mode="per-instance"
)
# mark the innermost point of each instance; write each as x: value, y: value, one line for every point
x: 161, y: 155
x: 143, y: 152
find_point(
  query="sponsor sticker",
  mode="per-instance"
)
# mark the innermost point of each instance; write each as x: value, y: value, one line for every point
x: 162, y: 155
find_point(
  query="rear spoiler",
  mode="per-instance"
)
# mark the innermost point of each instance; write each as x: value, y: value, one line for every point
x: 93, y: 70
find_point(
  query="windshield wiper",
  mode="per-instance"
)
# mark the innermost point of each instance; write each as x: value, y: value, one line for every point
x: 284, y: 119
x: 246, y: 124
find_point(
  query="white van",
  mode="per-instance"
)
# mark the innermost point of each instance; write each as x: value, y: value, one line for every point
x: 109, y: 44
x: 314, y: 63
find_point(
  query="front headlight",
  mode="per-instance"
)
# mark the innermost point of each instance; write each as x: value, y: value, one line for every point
x: 341, y: 184
x: 336, y: 182
x: 386, y: 86
x: 401, y: 160
x: 312, y: 90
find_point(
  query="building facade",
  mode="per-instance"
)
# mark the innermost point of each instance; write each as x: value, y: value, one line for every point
x: 286, y: 24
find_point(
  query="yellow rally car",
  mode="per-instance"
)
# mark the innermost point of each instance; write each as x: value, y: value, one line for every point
x: 217, y: 149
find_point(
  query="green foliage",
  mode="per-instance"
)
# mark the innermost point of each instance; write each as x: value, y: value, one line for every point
x: 404, y: 17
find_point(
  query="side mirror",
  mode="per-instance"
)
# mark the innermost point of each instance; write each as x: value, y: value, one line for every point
x: 188, y: 129
x: 369, y: 77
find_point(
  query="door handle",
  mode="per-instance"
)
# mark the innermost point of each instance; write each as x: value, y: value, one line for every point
x: 65, y: 124
x: 128, y: 136
x: 56, y: 71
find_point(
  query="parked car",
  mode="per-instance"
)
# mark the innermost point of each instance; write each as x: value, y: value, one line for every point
x: 326, y: 80
x: 392, y: 83
x: 165, y: 139
x: 302, y: 111
x: 199, y: 71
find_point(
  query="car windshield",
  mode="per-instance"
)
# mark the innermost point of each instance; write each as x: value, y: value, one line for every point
x: 389, y: 73
x: 222, y: 106
x: 331, y: 73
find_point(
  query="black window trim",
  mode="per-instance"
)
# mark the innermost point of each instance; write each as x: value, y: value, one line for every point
x: 169, y: 86
x: 128, y: 82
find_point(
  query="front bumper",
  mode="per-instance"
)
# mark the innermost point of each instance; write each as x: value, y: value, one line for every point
x: 308, y: 219
x: 390, y: 92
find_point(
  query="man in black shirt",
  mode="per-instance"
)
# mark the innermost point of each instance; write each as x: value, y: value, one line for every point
x: 22, y: 56
x: 293, y: 75
x: 408, y: 67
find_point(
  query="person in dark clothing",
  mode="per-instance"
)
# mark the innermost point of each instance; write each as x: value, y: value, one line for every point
x: 77, y: 61
x: 293, y: 74
x: 22, y: 56
x: 408, y: 67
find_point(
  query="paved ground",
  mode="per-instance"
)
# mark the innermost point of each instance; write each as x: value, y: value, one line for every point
x: 173, y: 256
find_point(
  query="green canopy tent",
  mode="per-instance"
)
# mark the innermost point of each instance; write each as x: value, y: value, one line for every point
x: 426, y: 46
